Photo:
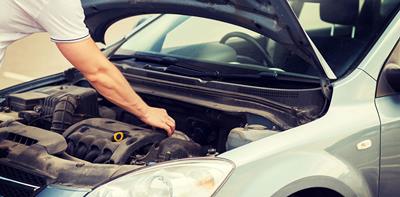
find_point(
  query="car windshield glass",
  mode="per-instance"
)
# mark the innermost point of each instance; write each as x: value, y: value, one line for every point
x: 213, y: 41
x: 344, y: 30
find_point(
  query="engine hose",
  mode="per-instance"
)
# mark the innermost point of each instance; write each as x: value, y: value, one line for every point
x: 63, y: 113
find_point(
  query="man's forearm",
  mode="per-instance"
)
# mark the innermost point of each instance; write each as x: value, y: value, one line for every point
x: 105, y: 77
x: 110, y: 83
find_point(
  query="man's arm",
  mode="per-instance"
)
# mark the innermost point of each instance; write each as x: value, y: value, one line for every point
x: 109, y: 82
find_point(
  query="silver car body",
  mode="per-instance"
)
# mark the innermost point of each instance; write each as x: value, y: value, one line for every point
x: 325, y: 153
x: 350, y: 150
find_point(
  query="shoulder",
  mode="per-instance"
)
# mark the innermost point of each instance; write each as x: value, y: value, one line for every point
x: 64, y: 20
x: 63, y: 6
x: 32, y: 8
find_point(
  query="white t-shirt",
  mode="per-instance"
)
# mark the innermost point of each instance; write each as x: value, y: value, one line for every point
x: 62, y: 19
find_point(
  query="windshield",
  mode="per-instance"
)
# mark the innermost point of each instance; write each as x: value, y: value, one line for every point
x: 343, y: 31
x: 217, y: 42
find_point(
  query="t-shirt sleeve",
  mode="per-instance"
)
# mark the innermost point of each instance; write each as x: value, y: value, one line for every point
x: 64, y: 20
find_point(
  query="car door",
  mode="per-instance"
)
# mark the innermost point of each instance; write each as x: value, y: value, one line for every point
x: 388, y: 105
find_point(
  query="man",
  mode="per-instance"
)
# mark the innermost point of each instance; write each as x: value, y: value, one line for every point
x: 64, y: 21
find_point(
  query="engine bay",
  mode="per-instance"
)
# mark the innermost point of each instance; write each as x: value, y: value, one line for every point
x: 86, y: 127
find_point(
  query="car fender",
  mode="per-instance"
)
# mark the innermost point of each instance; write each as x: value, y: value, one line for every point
x: 316, y: 182
x: 284, y: 174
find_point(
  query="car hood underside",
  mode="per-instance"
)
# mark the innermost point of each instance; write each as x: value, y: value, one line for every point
x: 274, y: 19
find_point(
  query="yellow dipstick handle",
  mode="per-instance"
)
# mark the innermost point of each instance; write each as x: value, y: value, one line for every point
x: 118, y: 136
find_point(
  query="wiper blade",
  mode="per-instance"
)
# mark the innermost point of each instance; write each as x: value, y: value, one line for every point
x: 180, y: 70
x: 144, y: 57
x: 172, y: 64
x: 215, y: 75
x: 185, y: 67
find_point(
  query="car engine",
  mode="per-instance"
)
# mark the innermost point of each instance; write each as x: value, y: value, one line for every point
x: 96, y: 140
x: 97, y: 132
x: 70, y: 135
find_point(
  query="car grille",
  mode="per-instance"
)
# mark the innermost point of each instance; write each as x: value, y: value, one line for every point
x: 18, y: 183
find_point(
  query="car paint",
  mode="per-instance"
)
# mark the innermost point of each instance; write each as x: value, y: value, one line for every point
x: 324, y: 149
x: 325, y: 152
x: 390, y: 136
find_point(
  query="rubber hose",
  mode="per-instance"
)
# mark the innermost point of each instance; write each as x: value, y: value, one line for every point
x: 63, y: 113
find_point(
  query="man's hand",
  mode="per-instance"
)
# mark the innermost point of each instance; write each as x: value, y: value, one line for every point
x: 109, y: 82
x: 159, y: 118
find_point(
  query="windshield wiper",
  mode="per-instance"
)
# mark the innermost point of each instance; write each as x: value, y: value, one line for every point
x: 147, y: 57
x: 215, y: 75
x: 170, y: 65
x: 190, y: 68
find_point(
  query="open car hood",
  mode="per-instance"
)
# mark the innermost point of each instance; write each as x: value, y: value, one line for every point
x: 273, y: 18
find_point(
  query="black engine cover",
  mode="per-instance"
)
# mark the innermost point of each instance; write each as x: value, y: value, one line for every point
x: 170, y: 149
x: 93, y: 140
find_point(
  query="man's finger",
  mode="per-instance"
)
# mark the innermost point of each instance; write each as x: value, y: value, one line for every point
x: 171, y: 119
x: 167, y: 129
x: 171, y: 124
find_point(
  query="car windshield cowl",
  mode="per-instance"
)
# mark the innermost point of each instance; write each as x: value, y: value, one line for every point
x: 212, y: 70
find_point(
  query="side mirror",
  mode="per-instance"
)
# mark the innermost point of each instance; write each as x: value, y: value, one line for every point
x: 392, y: 74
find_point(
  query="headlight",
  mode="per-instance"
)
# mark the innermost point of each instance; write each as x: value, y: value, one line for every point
x: 193, y: 177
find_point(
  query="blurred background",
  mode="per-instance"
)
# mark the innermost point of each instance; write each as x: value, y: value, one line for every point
x: 36, y: 56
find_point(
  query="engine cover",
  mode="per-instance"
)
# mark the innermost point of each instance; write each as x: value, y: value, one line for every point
x: 170, y: 149
x: 93, y: 140
x: 16, y: 139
